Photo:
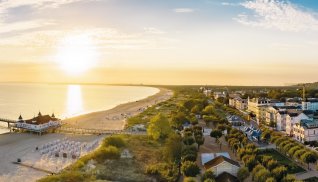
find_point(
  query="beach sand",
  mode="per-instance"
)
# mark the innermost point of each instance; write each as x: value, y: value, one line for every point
x: 22, y: 145
x: 114, y: 119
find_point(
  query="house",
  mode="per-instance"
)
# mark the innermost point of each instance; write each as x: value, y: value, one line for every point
x: 222, y: 164
x: 306, y: 130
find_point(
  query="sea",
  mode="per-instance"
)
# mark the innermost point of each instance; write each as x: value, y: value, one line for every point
x: 64, y: 100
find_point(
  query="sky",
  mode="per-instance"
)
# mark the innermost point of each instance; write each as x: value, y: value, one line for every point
x: 215, y: 42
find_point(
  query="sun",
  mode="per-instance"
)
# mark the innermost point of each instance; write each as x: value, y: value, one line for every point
x: 77, y: 53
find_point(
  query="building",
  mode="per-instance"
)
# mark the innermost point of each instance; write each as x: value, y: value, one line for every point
x: 259, y: 107
x: 222, y: 164
x: 254, y: 105
x: 293, y: 118
x: 310, y: 104
x: 306, y: 130
x: 281, y: 120
x: 217, y: 95
x: 238, y: 103
x: 39, y: 124
x: 272, y: 113
x: 207, y: 92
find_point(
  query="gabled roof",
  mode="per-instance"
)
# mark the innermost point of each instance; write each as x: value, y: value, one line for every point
x: 41, y: 119
x: 218, y: 160
x: 226, y: 177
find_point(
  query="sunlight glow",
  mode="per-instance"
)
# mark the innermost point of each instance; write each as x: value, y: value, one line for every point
x: 74, y: 100
x: 77, y: 53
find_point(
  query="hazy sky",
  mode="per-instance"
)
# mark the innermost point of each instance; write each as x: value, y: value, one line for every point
x: 238, y: 42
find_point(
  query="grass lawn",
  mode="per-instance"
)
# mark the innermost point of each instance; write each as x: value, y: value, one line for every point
x: 291, y: 166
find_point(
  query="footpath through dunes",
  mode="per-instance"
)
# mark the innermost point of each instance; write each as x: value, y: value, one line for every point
x: 114, y: 119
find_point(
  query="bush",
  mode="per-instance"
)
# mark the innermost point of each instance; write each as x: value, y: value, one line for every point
x: 189, y: 157
x: 208, y: 175
x: 190, y: 169
x: 110, y: 152
x: 115, y: 141
x: 243, y: 173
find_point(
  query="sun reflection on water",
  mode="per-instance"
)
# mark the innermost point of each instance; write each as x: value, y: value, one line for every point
x: 74, y: 100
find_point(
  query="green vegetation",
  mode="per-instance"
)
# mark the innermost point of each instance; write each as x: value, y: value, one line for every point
x: 190, y: 169
x: 262, y: 164
x: 291, y: 149
x: 292, y: 168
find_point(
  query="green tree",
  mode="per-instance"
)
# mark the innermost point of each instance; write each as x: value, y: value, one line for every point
x: 243, y: 173
x: 159, y: 127
x: 190, y: 169
x: 308, y: 158
x: 216, y: 134
x: 251, y: 163
x: 199, y: 140
x: 208, y: 175
x: 178, y: 119
x: 262, y: 175
x: 279, y: 172
x: 271, y: 179
x: 173, y: 148
x: 189, y: 140
x: 208, y: 110
x: 289, y: 178
x: 271, y: 164
x: 196, y: 109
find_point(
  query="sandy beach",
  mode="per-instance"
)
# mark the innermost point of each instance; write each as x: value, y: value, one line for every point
x: 23, y: 145
x: 114, y: 119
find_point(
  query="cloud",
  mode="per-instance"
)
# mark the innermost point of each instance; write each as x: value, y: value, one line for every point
x: 229, y: 4
x: 276, y: 14
x: 152, y: 30
x: 183, y: 10
x: 7, y: 5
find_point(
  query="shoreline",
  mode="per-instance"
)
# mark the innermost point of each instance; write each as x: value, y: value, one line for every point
x: 23, y: 145
x: 115, y: 118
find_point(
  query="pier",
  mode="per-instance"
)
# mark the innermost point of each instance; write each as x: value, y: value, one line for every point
x: 8, y: 121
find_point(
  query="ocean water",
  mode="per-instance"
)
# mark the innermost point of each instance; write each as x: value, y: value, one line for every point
x: 64, y: 100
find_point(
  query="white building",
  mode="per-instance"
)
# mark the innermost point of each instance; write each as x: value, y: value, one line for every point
x: 306, y: 131
x: 222, y: 164
x: 292, y: 119
x: 38, y: 124
x: 217, y: 95
x: 310, y: 104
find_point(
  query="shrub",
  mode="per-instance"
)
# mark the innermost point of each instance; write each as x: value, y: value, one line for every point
x: 190, y: 169
x: 116, y: 141
x: 110, y: 152
x: 243, y: 173
x: 208, y: 175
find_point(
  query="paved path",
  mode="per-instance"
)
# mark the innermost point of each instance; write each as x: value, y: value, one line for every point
x: 306, y: 175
